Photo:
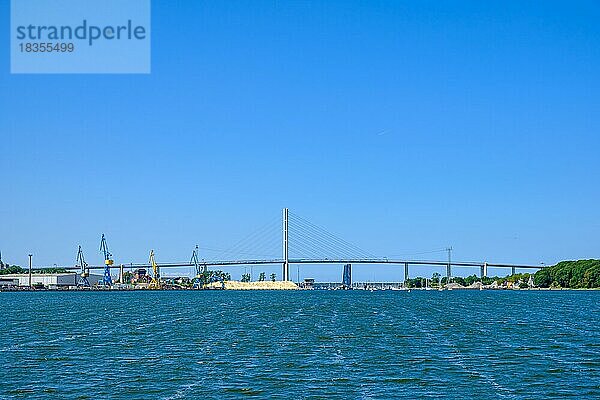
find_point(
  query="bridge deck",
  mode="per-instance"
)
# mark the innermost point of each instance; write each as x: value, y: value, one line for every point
x: 379, y: 261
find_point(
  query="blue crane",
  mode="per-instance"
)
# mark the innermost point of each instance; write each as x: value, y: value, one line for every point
x: 108, y: 261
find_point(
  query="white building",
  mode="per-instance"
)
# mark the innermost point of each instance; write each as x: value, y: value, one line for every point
x: 50, y: 280
x: 7, y: 282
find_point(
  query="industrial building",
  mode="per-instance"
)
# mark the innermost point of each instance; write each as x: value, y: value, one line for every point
x: 50, y: 281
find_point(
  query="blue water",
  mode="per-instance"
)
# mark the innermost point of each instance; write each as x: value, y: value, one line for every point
x: 308, y: 344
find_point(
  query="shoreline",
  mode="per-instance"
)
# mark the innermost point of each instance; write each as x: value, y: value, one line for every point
x: 261, y: 287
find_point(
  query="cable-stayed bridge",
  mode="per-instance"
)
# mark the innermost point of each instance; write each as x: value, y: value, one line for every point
x: 300, y: 242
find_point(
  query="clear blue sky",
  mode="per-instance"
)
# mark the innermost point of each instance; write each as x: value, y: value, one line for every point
x: 402, y: 127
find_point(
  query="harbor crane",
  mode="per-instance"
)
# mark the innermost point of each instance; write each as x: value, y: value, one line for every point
x: 108, y: 262
x: 200, y: 269
x: 155, y: 282
x: 194, y: 261
x: 84, y: 272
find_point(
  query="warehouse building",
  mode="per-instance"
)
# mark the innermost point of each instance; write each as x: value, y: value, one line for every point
x: 50, y: 281
x: 8, y: 282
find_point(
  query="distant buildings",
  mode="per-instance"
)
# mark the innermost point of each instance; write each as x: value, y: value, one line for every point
x: 50, y: 281
x: 309, y: 283
x: 140, y: 275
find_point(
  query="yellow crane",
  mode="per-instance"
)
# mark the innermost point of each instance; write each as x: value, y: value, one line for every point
x: 155, y: 282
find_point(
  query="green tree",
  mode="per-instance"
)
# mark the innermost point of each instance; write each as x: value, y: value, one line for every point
x: 523, y: 285
x: 458, y: 279
x: 262, y: 277
x: 570, y: 274
x: 209, y: 276
x: 272, y: 276
x: 542, y: 278
x: 436, y: 277
x: 13, y: 269
x: 417, y: 282
x: 127, y: 276
x: 471, y: 279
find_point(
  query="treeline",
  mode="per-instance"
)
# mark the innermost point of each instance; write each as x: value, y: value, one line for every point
x: 261, y: 278
x: 581, y: 274
x: 209, y: 276
x: 11, y: 269
x: 15, y: 269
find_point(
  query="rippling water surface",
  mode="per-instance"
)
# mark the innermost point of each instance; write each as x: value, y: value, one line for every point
x: 307, y: 344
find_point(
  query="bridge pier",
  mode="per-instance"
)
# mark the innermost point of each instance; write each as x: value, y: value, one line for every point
x: 484, y: 270
x: 513, y: 270
x: 347, y: 276
x: 405, y: 272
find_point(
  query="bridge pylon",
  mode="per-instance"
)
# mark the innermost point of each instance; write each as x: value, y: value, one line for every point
x: 449, y: 265
x: 286, y: 261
